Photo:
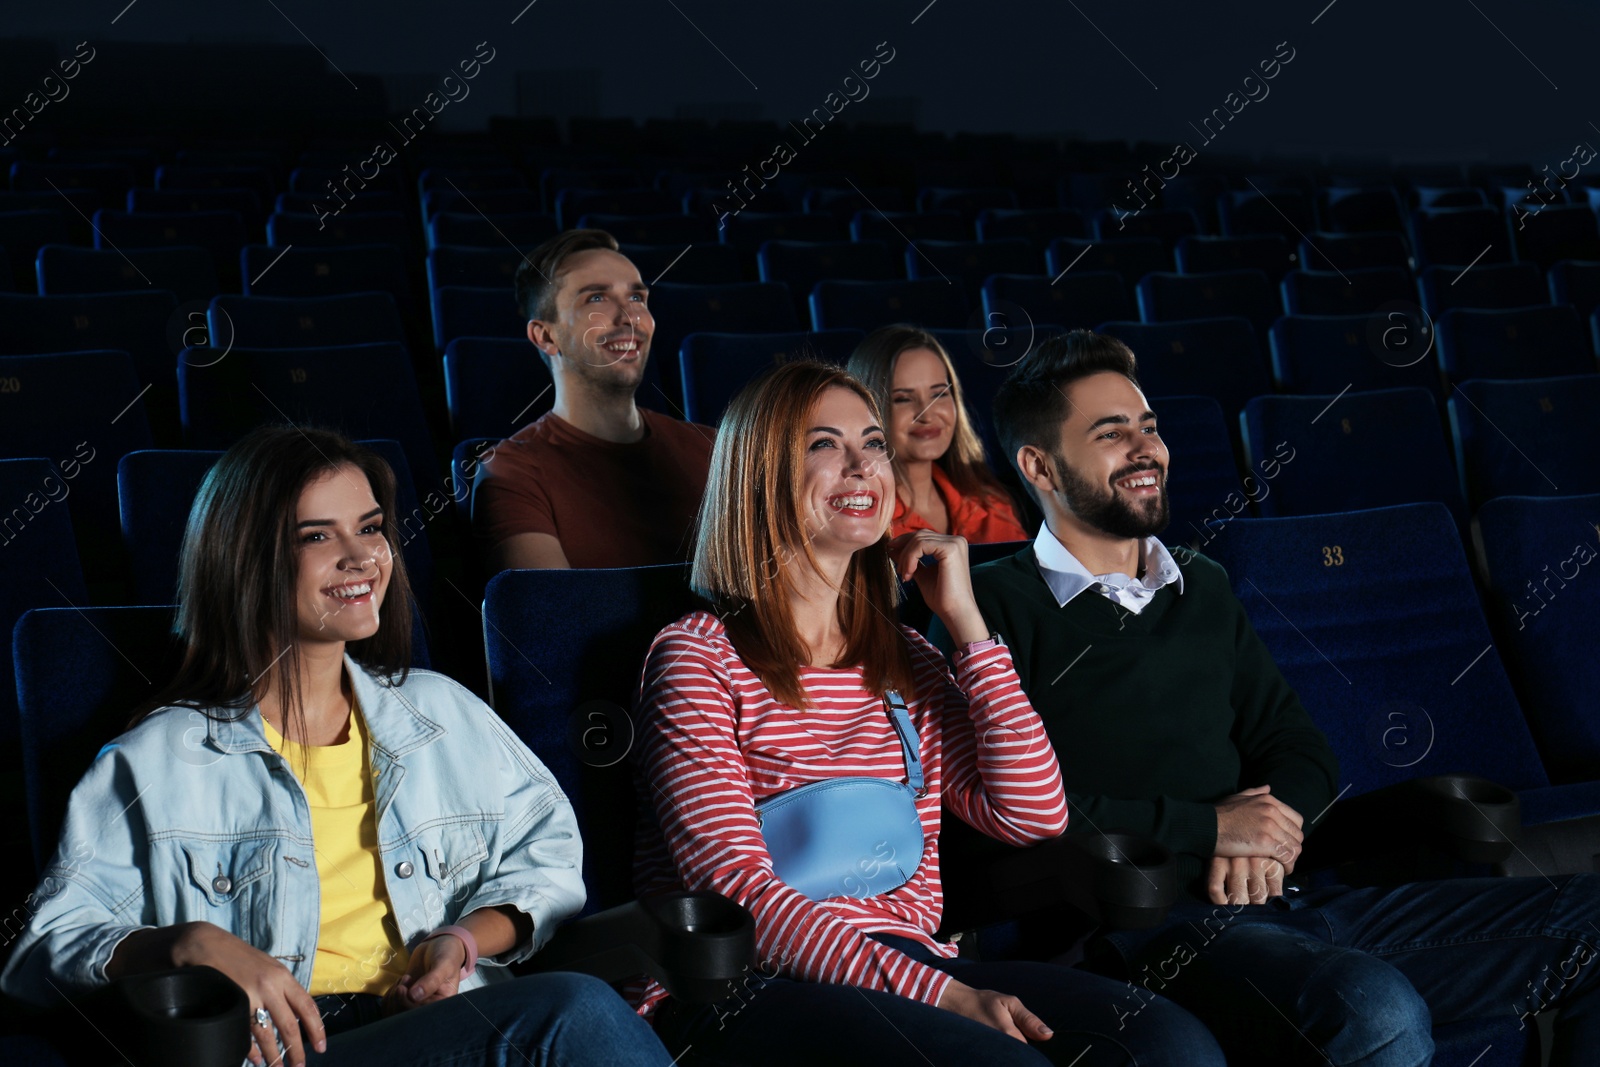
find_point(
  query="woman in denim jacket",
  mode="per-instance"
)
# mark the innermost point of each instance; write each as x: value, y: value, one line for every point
x: 353, y: 843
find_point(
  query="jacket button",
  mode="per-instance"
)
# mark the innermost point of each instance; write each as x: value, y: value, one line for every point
x: 222, y: 883
x: 405, y: 869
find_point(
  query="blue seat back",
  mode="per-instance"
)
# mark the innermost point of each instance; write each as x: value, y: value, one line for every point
x: 468, y: 228
x: 715, y: 366
x: 1197, y: 357
x: 1358, y: 450
x: 969, y: 263
x: 328, y: 270
x: 136, y: 322
x: 1576, y: 282
x: 1528, y: 438
x: 362, y: 390
x: 1168, y: 297
x: 1528, y: 342
x: 471, y: 311
x: 1079, y: 299
x: 1540, y: 555
x: 82, y: 412
x: 344, y: 227
x: 38, y: 568
x: 1322, y: 251
x: 566, y: 649
x: 1487, y: 285
x: 928, y: 302
x: 667, y: 229
x: 694, y: 263
x: 494, y: 386
x: 304, y: 322
x: 1204, y: 488
x: 1268, y: 253
x: 1373, y: 618
x: 1131, y: 257
x: 1351, y: 291
x: 802, y: 264
x: 80, y: 674
x: 185, y: 271
x: 1314, y: 354
x: 680, y: 309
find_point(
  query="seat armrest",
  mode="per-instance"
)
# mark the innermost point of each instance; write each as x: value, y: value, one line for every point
x: 1462, y: 816
x: 190, y: 1015
x: 1119, y: 880
x: 694, y: 944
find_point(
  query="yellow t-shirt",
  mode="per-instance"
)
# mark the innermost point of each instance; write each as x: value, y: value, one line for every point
x: 358, y: 943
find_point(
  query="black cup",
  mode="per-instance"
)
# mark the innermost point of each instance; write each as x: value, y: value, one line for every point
x: 195, y: 1016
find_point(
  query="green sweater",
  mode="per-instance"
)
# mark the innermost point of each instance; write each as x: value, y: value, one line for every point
x: 1156, y: 716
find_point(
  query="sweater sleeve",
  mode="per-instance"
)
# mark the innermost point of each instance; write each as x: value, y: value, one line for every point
x: 699, y: 786
x: 1278, y: 743
x: 1000, y: 773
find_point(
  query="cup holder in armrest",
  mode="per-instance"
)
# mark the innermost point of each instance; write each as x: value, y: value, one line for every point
x: 694, y: 944
x: 192, y: 1015
x: 1134, y: 879
x: 1481, y: 818
x: 1121, y: 880
x: 1462, y: 816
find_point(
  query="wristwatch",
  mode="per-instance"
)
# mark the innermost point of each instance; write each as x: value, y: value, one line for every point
x: 971, y: 647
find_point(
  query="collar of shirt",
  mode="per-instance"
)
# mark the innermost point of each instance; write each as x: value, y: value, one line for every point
x: 1067, y: 577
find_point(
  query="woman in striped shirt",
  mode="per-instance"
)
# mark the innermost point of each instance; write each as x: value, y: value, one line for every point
x: 785, y: 684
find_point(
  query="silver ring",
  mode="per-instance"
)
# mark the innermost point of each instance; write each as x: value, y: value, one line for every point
x: 263, y: 1018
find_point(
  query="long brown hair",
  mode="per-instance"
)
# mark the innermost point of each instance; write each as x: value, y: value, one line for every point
x: 237, y: 619
x: 752, y: 531
x: 965, y: 462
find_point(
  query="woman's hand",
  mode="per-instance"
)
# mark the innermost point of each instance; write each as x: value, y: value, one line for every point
x: 433, y: 973
x: 266, y: 982
x: 1001, y: 1011
x: 946, y: 586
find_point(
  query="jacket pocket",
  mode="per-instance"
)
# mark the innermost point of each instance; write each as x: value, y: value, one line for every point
x: 229, y: 880
x: 453, y: 855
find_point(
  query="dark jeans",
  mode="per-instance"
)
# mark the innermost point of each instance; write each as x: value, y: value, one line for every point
x: 776, y: 1021
x: 1360, y: 976
x: 538, y: 1021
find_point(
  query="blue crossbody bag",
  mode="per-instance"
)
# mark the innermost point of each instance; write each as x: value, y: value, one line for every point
x: 849, y: 837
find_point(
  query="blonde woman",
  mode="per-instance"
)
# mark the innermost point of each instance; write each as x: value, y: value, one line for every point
x: 942, y: 478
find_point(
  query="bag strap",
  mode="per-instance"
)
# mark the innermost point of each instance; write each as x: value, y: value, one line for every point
x: 901, y: 718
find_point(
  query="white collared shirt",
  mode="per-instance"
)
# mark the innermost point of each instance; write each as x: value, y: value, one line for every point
x: 1067, y: 577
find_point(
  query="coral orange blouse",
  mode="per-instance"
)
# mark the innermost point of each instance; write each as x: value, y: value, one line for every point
x: 981, y: 520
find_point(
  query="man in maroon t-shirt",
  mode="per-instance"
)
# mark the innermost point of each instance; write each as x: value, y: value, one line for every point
x: 597, y: 481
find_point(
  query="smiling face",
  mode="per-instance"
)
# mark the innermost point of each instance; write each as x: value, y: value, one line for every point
x: 343, y: 560
x: 1112, y: 465
x: 922, y: 407
x: 848, y: 484
x: 602, y: 329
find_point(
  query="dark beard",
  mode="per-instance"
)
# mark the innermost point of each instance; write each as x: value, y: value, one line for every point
x: 1111, y: 512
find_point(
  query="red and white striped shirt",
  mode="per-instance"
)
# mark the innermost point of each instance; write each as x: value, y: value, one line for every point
x: 713, y: 742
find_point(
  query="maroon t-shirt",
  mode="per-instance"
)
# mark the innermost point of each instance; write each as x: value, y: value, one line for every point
x: 609, y: 504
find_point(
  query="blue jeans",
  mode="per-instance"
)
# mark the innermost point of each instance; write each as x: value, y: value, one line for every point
x: 772, y: 1022
x: 543, y: 1020
x: 1361, y: 976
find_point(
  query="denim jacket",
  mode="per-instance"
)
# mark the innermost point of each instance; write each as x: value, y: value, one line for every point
x: 184, y: 818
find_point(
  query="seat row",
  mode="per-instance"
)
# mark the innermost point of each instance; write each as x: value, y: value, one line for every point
x: 1297, y: 454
